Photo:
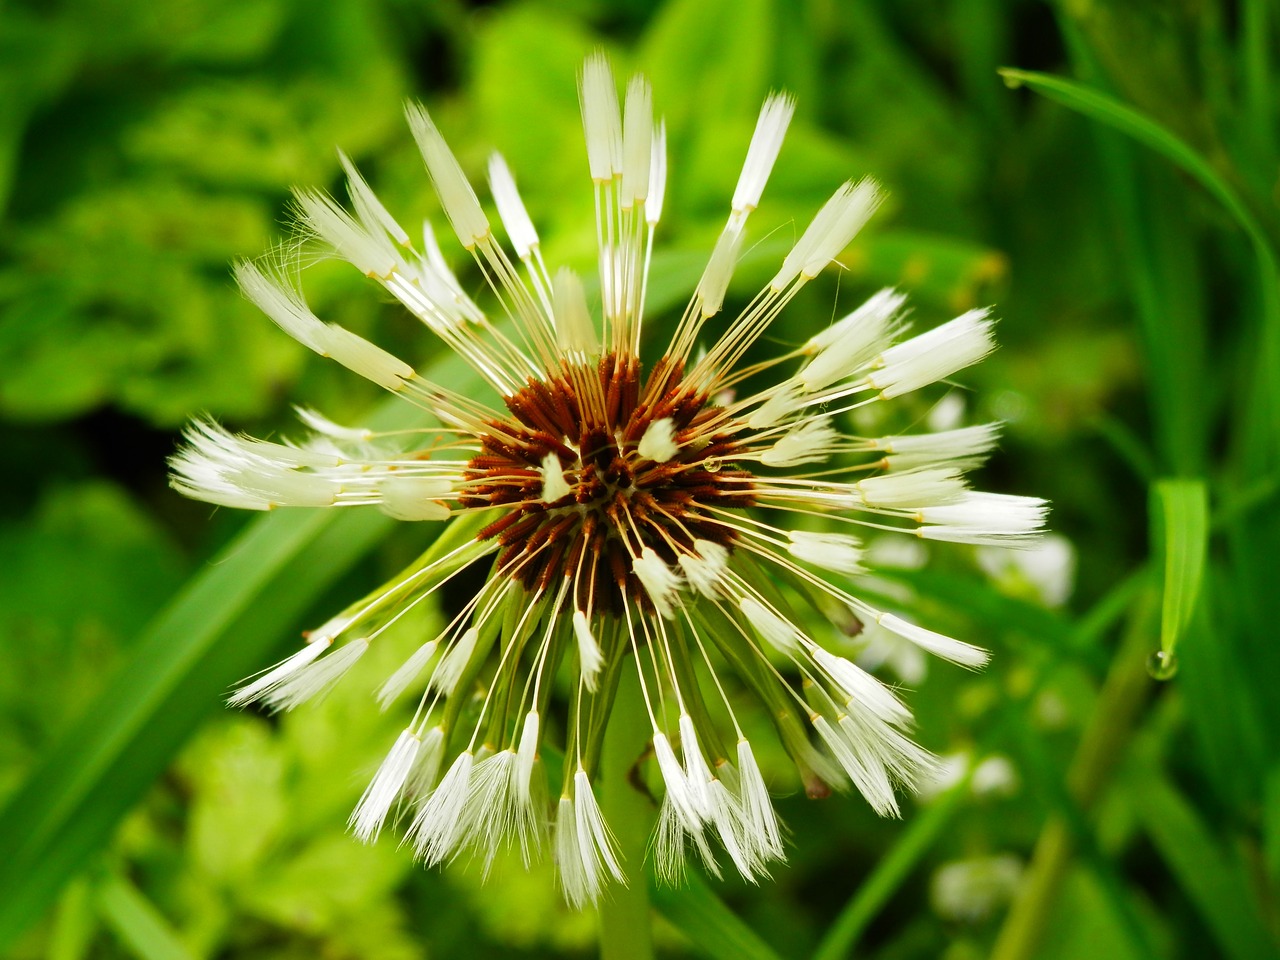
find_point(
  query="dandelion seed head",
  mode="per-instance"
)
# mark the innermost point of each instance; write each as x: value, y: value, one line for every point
x: 679, y: 513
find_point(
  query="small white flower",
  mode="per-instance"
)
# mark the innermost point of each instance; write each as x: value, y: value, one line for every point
x: 974, y: 889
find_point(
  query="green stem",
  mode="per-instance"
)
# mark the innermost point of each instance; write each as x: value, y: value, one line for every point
x: 626, y: 924
x: 1101, y: 748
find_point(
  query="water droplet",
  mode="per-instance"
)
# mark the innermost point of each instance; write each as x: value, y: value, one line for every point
x: 1162, y: 665
x: 712, y: 465
x: 1011, y: 79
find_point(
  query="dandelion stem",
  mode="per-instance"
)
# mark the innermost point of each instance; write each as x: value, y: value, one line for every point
x: 625, y: 913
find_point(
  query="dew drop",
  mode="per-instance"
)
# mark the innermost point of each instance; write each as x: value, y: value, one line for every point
x: 712, y: 465
x: 1162, y: 665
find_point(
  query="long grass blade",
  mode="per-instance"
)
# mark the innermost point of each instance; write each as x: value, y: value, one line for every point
x: 1183, y: 510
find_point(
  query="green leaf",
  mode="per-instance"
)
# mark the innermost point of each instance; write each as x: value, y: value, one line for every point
x: 1182, y: 507
x: 712, y: 928
x: 137, y: 922
x: 1217, y: 884
x: 221, y: 626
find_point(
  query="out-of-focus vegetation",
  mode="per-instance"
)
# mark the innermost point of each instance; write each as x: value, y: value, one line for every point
x: 1118, y: 203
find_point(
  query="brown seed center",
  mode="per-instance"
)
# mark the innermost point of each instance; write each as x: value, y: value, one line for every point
x: 592, y: 419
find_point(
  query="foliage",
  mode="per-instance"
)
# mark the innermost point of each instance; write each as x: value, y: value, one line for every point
x: 1115, y: 196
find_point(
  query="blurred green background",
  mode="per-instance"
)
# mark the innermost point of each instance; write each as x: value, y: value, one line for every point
x: 1124, y: 221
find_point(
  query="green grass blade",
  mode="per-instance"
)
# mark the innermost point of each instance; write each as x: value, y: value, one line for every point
x: 889, y: 874
x: 1216, y: 884
x: 136, y: 921
x: 220, y: 627
x: 1182, y: 509
x: 1110, y: 111
x: 1106, y: 109
x: 712, y: 928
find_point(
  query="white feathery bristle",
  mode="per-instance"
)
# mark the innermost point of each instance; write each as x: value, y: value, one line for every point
x: 838, y: 552
x: 281, y: 672
x: 590, y: 657
x: 554, y: 485
x: 811, y: 441
x: 373, y: 215
x: 456, y: 196
x: 912, y: 488
x: 908, y: 764
x: 766, y: 141
x: 367, y: 818
x: 832, y: 228
x: 422, y: 778
x: 878, y: 310
x: 963, y: 449
x: 659, y: 441
x: 491, y: 812
x: 715, y: 279
x: 573, y: 880
x: 781, y: 634
x: 406, y: 673
x: 705, y: 570
x: 315, y: 679
x: 695, y: 766
x: 678, y: 792
x: 637, y: 143
x: 849, y: 344
x: 319, y: 454
x: 332, y: 628
x: 515, y: 218
x: 454, y: 663
x: 940, y: 645
x: 282, y: 303
x: 601, y: 118
x: 726, y: 815
x: 286, y: 488
x: 757, y: 809
x: 995, y: 519
x: 862, y: 687
x: 438, y: 826
x: 574, y: 329
x: 434, y: 258
x: 370, y: 252
x: 935, y: 354
x: 414, y: 498
x: 323, y: 425
x: 669, y: 860
x: 217, y: 467
x: 782, y: 401
x: 658, y: 580
x: 657, y: 175
x: 595, y: 842
x: 526, y: 755
x: 368, y: 360
x: 904, y: 762
x: 868, y: 775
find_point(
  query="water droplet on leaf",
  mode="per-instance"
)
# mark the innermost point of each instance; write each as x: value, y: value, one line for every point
x: 1162, y: 665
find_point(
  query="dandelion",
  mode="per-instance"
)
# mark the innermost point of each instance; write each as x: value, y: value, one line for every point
x: 674, y: 516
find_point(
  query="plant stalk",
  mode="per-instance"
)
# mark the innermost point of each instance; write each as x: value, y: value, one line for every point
x: 1103, y: 745
x: 626, y: 920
